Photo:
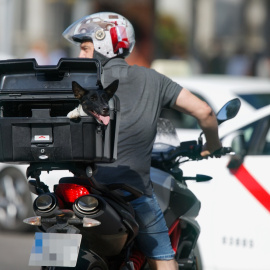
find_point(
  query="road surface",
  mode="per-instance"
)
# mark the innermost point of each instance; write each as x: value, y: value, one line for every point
x: 15, y: 250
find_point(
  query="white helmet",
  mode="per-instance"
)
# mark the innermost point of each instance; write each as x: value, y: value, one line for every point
x: 111, y: 33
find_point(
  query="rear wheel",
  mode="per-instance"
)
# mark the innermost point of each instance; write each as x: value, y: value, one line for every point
x: 193, y: 262
x: 15, y: 200
x: 197, y: 256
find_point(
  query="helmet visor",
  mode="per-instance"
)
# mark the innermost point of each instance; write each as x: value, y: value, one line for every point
x: 81, y: 30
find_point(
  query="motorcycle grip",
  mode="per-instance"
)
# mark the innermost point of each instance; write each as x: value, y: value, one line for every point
x: 221, y: 152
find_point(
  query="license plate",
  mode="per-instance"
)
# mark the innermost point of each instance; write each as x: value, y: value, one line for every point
x: 55, y: 249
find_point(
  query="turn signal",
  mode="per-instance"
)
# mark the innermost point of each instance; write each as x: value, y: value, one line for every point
x: 90, y: 222
x: 35, y: 221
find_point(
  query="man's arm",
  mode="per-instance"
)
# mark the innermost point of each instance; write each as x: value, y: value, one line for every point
x: 190, y: 104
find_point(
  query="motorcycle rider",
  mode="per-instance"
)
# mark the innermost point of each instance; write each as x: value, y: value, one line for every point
x: 143, y: 92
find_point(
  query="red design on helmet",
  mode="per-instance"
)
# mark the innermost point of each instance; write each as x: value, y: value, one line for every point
x: 119, y: 38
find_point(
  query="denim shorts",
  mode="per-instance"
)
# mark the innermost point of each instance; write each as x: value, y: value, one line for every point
x: 153, y: 238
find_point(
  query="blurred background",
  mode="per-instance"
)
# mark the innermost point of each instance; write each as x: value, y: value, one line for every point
x: 176, y: 37
x: 201, y: 36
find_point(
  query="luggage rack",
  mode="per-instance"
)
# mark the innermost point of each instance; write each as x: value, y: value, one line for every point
x: 34, y: 102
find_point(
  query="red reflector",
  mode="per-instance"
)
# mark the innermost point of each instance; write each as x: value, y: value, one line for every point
x: 174, y: 233
x: 70, y: 192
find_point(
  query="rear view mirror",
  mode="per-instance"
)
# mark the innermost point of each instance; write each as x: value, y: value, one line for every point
x: 229, y: 110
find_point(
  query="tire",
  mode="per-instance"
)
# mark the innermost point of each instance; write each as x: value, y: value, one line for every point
x: 195, y: 258
x: 15, y: 201
x: 198, y: 258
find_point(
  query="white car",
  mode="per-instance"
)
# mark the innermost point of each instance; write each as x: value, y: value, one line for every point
x: 235, y: 213
x: 15, y: 198
x: 16, y: 201
x: 253, y: 93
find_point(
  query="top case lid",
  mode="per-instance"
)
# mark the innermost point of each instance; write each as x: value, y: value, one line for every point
x: 25, y: 76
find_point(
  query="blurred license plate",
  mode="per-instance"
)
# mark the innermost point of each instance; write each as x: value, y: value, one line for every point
x: 55, y: 249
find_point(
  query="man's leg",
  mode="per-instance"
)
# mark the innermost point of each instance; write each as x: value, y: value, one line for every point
x: 153, y: 238
x: 162, y: 265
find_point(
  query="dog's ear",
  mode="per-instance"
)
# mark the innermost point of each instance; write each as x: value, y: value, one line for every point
x: 111, y: 89
x: 78, y: 91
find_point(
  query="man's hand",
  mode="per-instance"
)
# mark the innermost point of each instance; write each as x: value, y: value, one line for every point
x: 207, y: 151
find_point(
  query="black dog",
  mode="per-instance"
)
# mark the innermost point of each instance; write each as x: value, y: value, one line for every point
x: 93, y: 102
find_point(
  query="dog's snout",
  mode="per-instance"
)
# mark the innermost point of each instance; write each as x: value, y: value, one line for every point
x: 105, y: 110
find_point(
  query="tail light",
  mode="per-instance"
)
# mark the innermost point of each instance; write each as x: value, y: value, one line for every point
x: 69, y: 193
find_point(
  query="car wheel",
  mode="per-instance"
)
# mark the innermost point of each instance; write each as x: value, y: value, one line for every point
x: 15, y: 200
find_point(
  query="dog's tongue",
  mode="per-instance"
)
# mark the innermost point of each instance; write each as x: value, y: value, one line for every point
x: 100, y: 118
x: 104, y: 119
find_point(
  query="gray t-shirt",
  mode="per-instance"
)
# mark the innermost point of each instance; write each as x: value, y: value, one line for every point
x: 142, y: 93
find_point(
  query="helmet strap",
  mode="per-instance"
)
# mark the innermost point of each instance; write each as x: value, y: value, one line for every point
x: 103, y: 59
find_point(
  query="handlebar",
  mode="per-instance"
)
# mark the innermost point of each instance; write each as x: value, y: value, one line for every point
x: 221, y: 152
x: 192, y: 150
x: 166, y: 157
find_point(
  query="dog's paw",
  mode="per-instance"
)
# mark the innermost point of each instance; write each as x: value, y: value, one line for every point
x: 73, y: 114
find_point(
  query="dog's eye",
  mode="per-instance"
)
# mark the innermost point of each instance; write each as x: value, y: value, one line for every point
x: 105, y: 97
x: 93, y: 98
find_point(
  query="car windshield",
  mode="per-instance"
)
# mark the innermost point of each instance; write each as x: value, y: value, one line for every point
x: 256, y: 100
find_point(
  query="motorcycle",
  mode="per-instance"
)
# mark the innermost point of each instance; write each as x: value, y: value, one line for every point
x: 87, y: 225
